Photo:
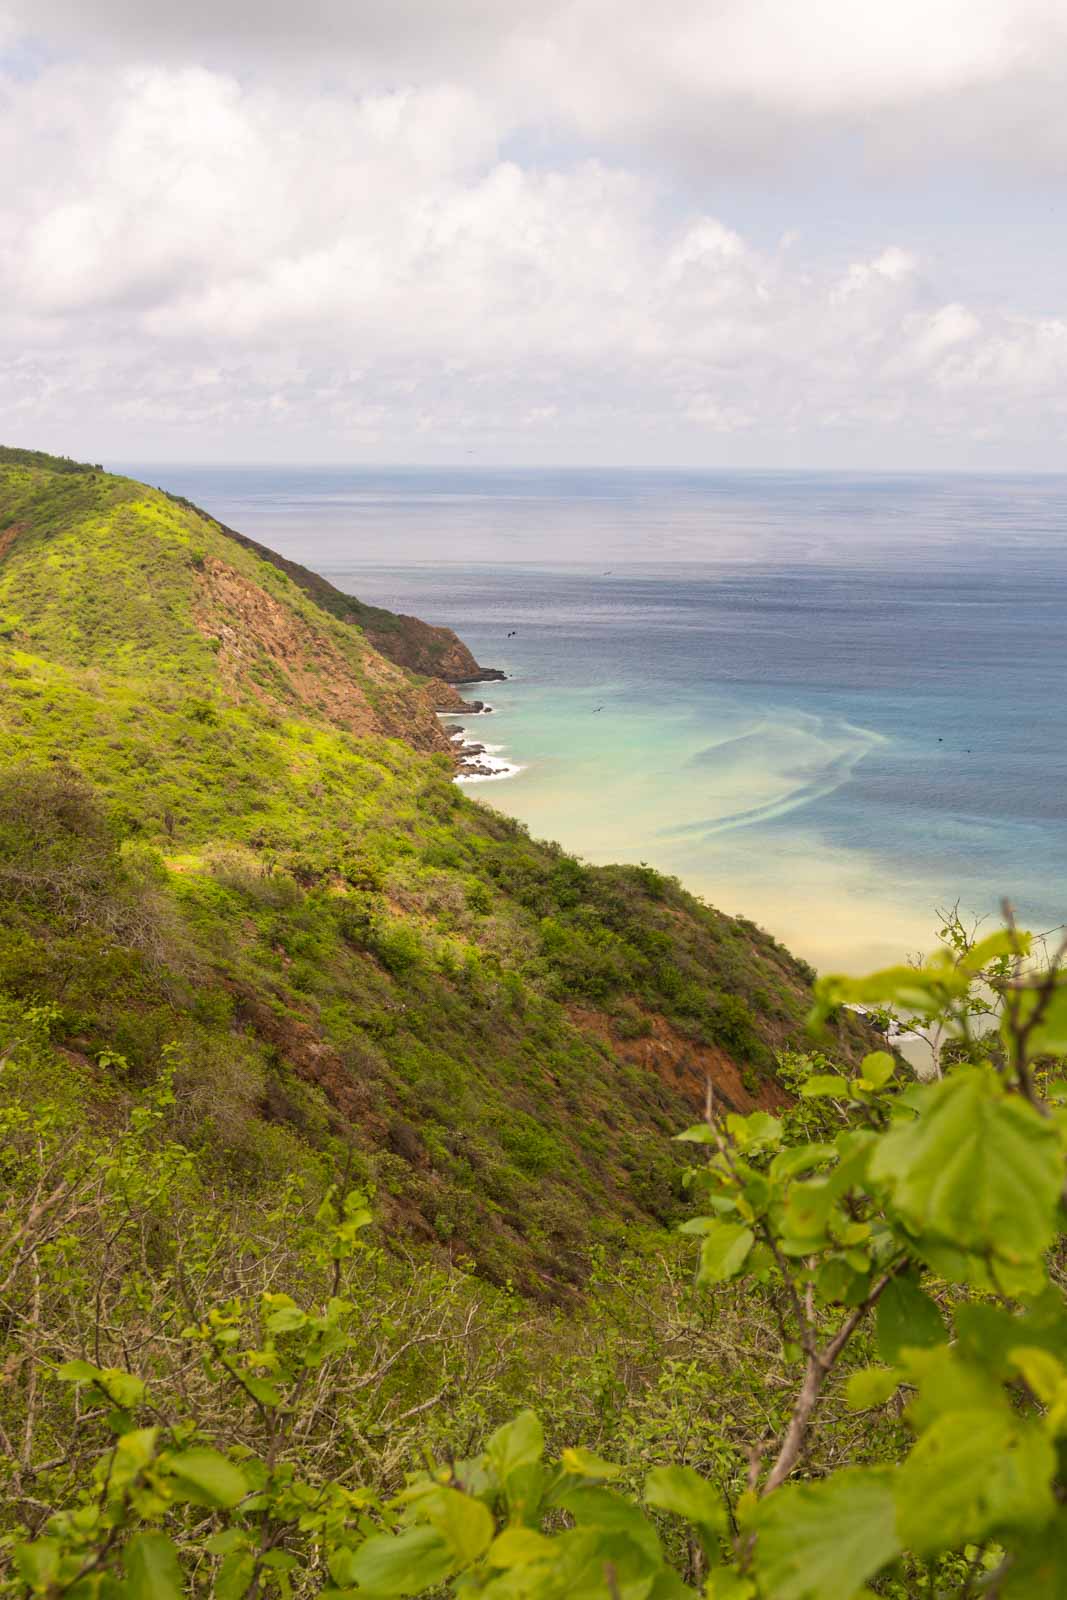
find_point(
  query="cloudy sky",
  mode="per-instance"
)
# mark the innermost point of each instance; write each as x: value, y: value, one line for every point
x: 705, y: 232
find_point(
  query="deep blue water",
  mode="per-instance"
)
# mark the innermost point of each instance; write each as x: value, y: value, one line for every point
x: 833, y: 702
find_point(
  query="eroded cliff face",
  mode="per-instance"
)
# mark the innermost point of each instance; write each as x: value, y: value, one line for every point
x: 688, y: 1068
x: 421, y: 647
x: 268, y: 650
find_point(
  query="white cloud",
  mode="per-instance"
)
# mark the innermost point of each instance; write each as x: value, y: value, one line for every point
x: 192, y: 262
x: 713, y: 84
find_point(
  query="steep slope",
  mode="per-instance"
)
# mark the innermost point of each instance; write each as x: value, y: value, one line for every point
x: 230, y: 839
x: 103, y: 571
x: 422, y: 647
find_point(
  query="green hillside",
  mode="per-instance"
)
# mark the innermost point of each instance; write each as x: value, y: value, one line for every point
x: 338, y: 1173
x: 339, y: 945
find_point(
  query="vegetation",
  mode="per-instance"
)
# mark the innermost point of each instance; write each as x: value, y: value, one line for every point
x: 213, y: 1395
x: 347, y: 1244
x: 342, y: 948
x: 12, y: 456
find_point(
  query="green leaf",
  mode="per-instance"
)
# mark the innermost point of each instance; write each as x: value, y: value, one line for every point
x: 755, y: 1131
x: 1039, y: 1565
x: 923, y: 990
x: 38, y: 1563
x: 978, y: 1169
x: 403, y: 1564
x: 821, y: 1541
x: 152, y: 1570
x: 138, y: 1447
x: 268, y: 1394
x: 700, y: 1134
x: 465, y: 1524
x: 834, y: 1278
x: 702, y: 1225
x: 971, y: 1474
x: 121, y: 1388
x: 878, y: 1068
x: 905, y: 1316
x: 1004, y: 942
x: 824, y: 1084
x: 280, y: 1561
x: 802, y: 1158
x: 872, y: 1386
x: 233, y: 1576
x: 594, y: 1507
x: 286, y: 1319
x: 724, y: 1251
x: 78, y: 1372
x: 579, y: 1463
x: 517, y: 1547
x: 946, y: 1383
x: 516, y: 1444
x: 207, y: 1478
x: 807, y: 1210
x: 687, y: 1494
x: 230, y: 1539
x: 724, y: 1583
x: 1049, y: 1034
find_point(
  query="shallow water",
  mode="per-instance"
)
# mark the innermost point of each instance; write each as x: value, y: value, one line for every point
x: 831, y: 702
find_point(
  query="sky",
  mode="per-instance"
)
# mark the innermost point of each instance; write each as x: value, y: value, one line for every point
x: 766, y: 233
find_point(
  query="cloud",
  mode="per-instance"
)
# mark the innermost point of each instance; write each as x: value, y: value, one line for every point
x: 204, y: 262
x: 708, y: 86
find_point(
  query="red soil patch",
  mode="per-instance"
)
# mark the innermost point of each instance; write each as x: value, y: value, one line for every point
x: 9, y: 535
x: 684, y: 1065
x: 356, y: 689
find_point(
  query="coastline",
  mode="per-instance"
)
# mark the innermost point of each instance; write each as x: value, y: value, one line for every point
x: 477, y: 762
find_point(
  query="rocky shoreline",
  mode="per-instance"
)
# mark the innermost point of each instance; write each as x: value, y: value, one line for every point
x: 474, y: 760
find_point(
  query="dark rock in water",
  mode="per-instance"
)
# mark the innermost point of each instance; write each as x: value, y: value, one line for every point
x: 483, y: 675
x: 477, y: 769
x: 473, y: 750
x: 476, y: 706
x: 452, y: 728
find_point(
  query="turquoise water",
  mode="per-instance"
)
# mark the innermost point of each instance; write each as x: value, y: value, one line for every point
x: 833, y: 703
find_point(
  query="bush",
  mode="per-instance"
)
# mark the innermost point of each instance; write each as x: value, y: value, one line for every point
x: 244, y: 873
x: 397, y: 946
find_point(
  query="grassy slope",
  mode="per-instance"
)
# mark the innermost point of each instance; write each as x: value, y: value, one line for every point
x: 340, y: 946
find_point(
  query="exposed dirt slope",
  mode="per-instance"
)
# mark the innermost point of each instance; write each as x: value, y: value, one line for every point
x: 426, y: 648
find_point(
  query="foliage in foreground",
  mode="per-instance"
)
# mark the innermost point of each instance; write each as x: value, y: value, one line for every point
x: 916, y: 1223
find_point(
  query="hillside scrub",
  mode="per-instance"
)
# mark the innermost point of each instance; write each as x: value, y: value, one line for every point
x: 238, y: 1391
x: 395, y: 1205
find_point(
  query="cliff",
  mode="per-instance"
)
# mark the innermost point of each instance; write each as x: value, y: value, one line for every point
x: 421, y: 647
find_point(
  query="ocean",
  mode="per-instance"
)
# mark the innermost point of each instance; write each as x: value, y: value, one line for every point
x: 832, y: 702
